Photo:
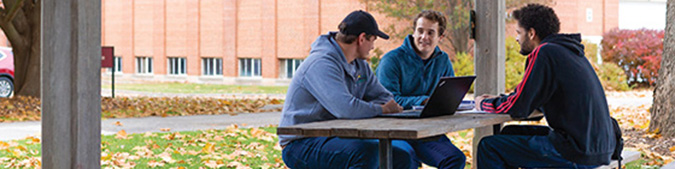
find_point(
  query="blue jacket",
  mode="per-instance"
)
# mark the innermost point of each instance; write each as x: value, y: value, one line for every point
x: 406, y: 76
x: 326, y: 87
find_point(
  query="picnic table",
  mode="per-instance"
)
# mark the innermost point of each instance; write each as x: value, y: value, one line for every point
x: 388, y: 129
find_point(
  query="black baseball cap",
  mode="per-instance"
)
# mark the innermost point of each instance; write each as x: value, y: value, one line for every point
x: 358, y: 22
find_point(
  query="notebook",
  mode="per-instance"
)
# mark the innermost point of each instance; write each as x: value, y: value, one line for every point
x: 444, y: 100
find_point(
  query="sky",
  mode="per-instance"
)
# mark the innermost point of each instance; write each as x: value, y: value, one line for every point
x: 636, y: 15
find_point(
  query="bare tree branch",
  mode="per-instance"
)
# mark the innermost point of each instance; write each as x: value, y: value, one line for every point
x: 12, y: 34
x: 12, y: 11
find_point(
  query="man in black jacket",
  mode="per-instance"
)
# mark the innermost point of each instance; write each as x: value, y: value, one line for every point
x: 560, y: 82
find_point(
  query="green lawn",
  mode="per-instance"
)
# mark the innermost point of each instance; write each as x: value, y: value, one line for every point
x: 198, y: 88
x: 229, y: 148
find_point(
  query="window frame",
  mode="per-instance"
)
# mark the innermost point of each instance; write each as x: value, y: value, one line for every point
x: 285, y: 72
x: 214, y: 67
x: 250, y: 67
x: 144, y: 65
x: 177, y: 63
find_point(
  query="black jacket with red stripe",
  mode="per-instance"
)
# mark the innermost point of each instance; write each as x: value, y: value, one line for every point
x: 561, y: 81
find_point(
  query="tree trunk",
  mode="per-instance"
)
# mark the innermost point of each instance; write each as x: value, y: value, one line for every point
x: 27, y: 72
x: 663, y: 109
x: 20, y: 22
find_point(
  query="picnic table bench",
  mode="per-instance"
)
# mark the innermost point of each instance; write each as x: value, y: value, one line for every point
x: 388, y: 129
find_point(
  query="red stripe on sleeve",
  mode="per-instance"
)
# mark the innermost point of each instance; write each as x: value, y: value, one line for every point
x: 506, y: 106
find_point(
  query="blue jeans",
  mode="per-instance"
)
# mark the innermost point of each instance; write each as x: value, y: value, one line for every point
x: 438, y: 152
x: 334, y: 152
x: 515, y: 147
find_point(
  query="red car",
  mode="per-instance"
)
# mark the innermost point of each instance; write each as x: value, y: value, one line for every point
x: 6, y: 72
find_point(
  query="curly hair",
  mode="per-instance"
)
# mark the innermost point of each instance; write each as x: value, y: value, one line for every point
x: 542, y: 18
x: 433, y: 16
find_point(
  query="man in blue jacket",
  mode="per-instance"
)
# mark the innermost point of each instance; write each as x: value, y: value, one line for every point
x: 410, y: 73
x: 335, y: 82
x: 561, y: 82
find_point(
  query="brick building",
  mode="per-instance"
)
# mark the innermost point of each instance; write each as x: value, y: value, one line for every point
x: 258, y: 41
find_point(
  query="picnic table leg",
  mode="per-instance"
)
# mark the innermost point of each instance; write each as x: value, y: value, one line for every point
x: 481, y: 132
x: 386, y: 157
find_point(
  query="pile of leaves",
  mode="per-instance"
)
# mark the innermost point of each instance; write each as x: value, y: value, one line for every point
x: 22, y: 108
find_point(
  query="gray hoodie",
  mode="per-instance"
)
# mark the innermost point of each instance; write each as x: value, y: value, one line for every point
x: 326, y: 87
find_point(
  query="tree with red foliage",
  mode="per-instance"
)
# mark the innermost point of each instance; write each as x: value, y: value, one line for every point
x: 637, y: 52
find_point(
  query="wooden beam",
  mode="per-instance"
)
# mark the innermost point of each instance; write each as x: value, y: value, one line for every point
x: 71, y: 86
x: 489, y: 54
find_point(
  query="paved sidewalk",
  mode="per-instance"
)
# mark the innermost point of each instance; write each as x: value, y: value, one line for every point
x: 20, y: 130
x: 130, y: 93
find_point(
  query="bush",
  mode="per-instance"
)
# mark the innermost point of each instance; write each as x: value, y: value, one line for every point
x: 463, y: 65
x: 611, y: 75
x: 637, y: 52
x: 375, y: 60
x: 591, y: 51
x: 515, y: 64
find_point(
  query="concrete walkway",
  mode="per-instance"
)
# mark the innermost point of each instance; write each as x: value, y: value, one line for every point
x: 20, y: 130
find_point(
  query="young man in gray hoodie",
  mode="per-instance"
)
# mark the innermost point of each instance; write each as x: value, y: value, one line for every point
x: 335, y: 82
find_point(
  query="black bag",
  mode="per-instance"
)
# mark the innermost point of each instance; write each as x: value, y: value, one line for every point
x: 619, y: 142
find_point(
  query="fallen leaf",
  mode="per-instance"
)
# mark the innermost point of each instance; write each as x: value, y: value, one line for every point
x: 153, y: 163
x: 208, y: 148
x: 121, y: 135
x: 212, y: 164
x: 165, y: 129
x: 166, y: 157
x: 118, y: 123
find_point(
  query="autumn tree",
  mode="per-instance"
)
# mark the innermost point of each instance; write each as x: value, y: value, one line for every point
x: 663, y: 109
x: 20, y: 21
x: 458, y: 28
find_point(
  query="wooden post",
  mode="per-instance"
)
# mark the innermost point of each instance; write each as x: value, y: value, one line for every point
x: 71, y: 84
x: 489, y: 56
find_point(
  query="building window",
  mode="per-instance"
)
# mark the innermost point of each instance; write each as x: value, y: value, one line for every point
x: 249, y: 67
x: 212, y: 66
x: 117, y: 65
x: 287, y: 67
x: 177, y: 65
x: 144, y: 65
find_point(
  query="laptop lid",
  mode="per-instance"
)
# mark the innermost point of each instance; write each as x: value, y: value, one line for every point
x: 447, y: 96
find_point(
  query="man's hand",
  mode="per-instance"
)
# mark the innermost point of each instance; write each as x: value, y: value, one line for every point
x: 480, y: 98
x: 391, y: 107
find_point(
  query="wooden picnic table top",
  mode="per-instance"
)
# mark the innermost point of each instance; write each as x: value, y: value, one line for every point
x: 395, y: 128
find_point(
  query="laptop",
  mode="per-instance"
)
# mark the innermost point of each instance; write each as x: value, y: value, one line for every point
x: 444, y: 100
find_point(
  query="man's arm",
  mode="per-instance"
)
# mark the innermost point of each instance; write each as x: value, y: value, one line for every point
x: 375, y: 92
x: 325, y: 82
x: 533, y: 91
x: 388, y: 73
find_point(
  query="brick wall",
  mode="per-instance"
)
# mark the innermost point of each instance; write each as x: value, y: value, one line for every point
x: 265, y: 29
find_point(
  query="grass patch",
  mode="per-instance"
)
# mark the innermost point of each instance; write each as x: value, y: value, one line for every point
x: 640, y: 164
x: 199, y: 88
x: 229, y: 148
